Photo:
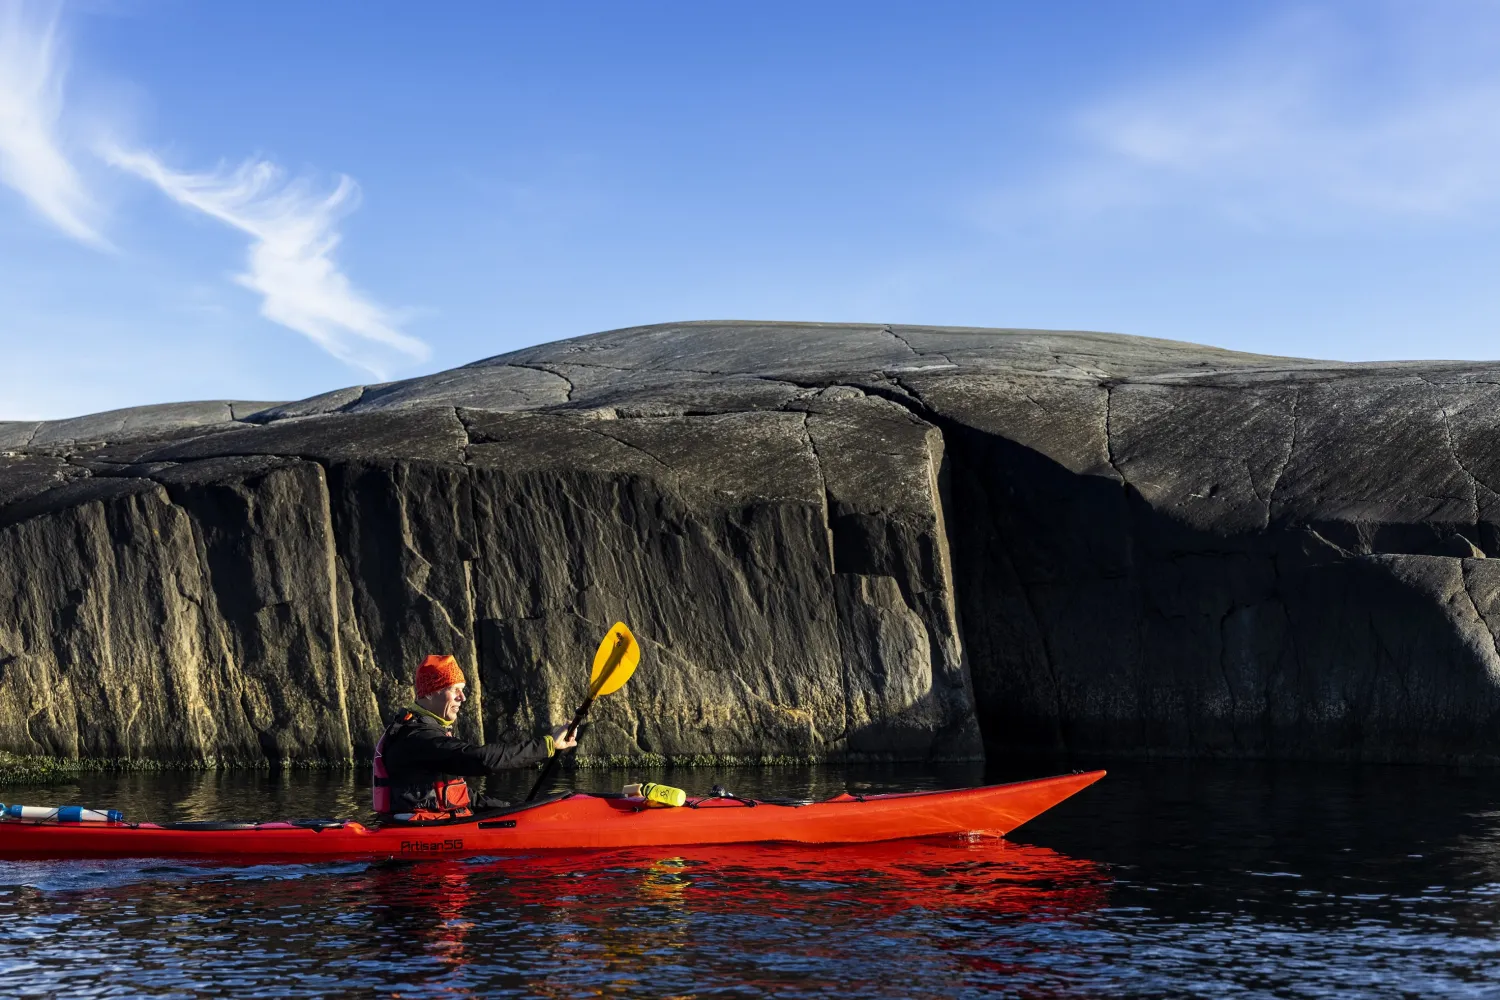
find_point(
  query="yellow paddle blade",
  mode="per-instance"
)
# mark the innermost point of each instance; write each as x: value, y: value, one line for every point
x: 619, y: 654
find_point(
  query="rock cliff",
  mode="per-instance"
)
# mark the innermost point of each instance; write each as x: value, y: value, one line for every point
x: 833, y: 540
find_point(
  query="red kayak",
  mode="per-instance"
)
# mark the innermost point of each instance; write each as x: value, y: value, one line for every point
x: 570, y: 821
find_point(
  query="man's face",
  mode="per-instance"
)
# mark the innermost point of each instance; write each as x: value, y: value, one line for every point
x: 452, y: 699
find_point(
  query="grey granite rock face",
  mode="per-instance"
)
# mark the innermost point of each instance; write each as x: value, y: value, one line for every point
x: 832, y: 540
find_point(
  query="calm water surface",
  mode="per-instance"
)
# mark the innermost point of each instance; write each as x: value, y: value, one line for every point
x: 1165, y: 879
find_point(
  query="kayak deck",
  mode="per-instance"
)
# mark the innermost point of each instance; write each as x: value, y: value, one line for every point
x: 573, y: 821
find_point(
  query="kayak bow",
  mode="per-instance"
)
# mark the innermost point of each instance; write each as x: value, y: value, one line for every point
x: 569, y: 821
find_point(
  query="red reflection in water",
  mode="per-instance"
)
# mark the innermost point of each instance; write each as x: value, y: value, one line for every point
x: 874, y: 919
x: 981, y: 885
x: 990, y: 875
x: 595, y: 897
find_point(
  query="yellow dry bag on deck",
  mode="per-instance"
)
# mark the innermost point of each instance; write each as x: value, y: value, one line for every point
x: 662, y: 795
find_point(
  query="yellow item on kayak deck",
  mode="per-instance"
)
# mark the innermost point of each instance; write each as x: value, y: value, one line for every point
x: 662, y: 795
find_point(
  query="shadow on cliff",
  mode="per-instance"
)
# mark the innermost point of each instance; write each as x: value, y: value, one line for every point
x: 1095, y: 623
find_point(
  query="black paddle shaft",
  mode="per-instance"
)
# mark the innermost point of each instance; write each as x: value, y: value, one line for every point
x: 622, y: 643
x: 550, y: 768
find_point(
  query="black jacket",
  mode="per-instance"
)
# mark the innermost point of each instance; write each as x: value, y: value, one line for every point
x: 419, y: 751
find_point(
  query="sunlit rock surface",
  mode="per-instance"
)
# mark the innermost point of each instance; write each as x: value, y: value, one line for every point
x: 833, y: 541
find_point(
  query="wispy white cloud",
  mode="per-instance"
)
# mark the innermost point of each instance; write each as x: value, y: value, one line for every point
x: 1311, y: 120
x: 33, y: 67
x: 293, y: 227
x: 294, y: 234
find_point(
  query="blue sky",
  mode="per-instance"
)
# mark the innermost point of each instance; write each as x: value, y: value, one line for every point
x: 269, y: 200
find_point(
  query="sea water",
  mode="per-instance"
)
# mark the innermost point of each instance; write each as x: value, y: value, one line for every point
x: 1165, y: 879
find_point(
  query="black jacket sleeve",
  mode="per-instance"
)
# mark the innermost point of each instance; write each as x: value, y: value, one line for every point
x: 434, y: 748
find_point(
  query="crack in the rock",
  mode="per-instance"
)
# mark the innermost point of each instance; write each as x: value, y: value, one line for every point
x: 30, y: 435
x: 1094, y: 374
x: 602, y: 431
x: 812, y: 446
x: 892, y: 392
x: 1250, y: 479
x: 547, y: 371
x: 1029, y: 397
x: 916, y: 353
x: 1343, y: 552
x: 914, y: 393
x: 262, y: 418
x: 215, y: 629
x: 463, y: 453
x: 806, y: 393
x: 348, y: 407
x: 1109, y: 441
x: 891, y: 389
x: 1287, y: 460
x: 1474, y: 482
x: 1463, y: 579
x: 888, y: 331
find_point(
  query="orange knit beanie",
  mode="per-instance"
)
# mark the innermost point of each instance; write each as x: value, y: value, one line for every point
x: 436, y: 673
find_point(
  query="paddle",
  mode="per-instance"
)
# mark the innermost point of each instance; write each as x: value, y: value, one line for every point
x: 616, y: 660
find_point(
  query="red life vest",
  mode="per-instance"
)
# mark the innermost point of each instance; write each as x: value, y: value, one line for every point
x: 448, y: 798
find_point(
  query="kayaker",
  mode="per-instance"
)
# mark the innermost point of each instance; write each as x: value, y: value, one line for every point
x: 420, y: 765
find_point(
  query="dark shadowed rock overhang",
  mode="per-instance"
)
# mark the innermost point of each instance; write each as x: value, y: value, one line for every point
x: 835, y: 541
